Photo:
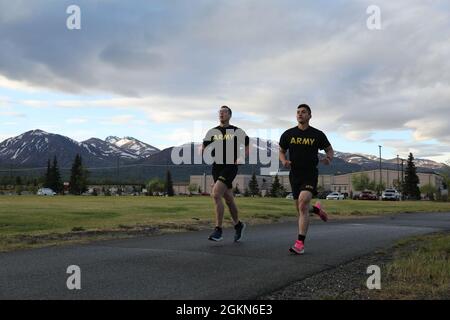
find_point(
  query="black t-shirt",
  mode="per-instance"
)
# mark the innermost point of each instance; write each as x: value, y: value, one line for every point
x: 230, y: 137
x: 303, y: 146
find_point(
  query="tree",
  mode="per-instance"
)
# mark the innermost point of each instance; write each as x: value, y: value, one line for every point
x: 193, y: 187
x: 78, y: 177
x: 275, y: 191
x: 429, y: 190
x: 379, y: 187
x: 57, y: 184
x: 411, y: 189
x: 398, y: 186
x: 361, y: 182
x: 236, y: 190
x: 155, y: 185
x: 445, y: 173
x: 253, y: 186
x: 47, y: 179
x: 19, y: 189
x: 169, y: 185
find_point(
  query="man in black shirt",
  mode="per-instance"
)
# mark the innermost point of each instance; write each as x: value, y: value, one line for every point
x: 226, y: 141
x: 303, y: 143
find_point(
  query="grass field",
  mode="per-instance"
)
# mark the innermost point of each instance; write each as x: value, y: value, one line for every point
x: 25, y: 220
x: 420, y: 269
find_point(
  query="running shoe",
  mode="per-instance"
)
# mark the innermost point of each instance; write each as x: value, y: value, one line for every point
x: 322, y: 214
x: 239, y: 234
x: 298, y: 247
x: 216, y: 235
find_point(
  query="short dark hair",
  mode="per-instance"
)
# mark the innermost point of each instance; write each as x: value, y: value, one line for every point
x: 305, y: 106
x: 229, y: 110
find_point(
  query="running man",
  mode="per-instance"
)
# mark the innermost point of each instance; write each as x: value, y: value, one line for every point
x: 303, y: 143
x: 227, y: 140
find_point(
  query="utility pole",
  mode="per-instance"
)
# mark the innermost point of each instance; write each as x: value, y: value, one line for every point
x: 403, y: 176
x: 204, y: 183
x: 380, y: 167
x: 118, y: 169
x: 398, y: 172
x: 403, y: 182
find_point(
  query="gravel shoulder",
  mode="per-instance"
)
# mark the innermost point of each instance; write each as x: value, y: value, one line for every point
x: 348, y: 281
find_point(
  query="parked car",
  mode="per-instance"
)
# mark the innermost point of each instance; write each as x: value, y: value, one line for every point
x: 46, y: 192
x: 390, y: 194
x: 367, y: 195
x: 290, y: 196
x: 335, y: 196
x: 323, y: 194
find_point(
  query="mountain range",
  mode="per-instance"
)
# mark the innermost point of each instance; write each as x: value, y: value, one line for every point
x: 129, y: 159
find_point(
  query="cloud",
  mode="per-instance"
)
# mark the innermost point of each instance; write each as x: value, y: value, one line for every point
x: 419, y: 150
x: 12, y: 114
x: 179, y: 61
x: 118, y: 120
x: 77, y: 120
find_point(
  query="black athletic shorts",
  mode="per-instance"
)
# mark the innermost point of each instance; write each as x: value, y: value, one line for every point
x: 305, y: 180
x: 225, y: 173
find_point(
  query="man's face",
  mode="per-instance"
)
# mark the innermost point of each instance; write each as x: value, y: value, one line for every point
x: 224, y: 115
x: 303, y: 116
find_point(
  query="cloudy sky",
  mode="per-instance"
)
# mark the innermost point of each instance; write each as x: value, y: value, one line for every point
x: 159, y: 70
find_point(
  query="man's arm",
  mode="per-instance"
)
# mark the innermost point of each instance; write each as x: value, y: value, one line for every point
x: 329, y: 155
x: 286, y: 163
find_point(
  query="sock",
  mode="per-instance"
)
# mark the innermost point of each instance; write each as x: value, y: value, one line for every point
x: 238, y: 224
x: 219, y: 228
x: 301, y: 238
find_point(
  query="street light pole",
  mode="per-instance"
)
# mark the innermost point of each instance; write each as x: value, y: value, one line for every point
x: 380, y: 167
x: 403, y: 182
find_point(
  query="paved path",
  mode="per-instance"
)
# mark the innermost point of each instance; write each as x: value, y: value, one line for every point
x: 188, y: 266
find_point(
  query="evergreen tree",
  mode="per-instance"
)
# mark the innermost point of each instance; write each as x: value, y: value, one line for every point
x: 78, y: 177
x: 57, y: 184
x: 169, y: 185
x: 253, y: 186
x: 411, y: 189
x: 47, y: 178
x: 275, y: 191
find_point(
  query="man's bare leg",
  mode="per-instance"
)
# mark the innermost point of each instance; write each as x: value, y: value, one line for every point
x: 218, y: 192
x: 229, y: 200
x: 303, y: 202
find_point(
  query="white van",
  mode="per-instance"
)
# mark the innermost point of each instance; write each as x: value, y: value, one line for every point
x: 46, y: 192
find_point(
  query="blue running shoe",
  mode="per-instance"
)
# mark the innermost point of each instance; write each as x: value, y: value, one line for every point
x: 239, y: 234
x: 216, y: 235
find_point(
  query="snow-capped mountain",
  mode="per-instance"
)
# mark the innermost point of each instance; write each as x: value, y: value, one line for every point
x: 34, y: 148
x: 369, y: 161
x: 109, y: 149
x: 421, y: 163
x: 132, y: 146
x: 356, y: 158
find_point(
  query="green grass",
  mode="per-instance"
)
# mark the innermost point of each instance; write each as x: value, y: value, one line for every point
x: 34, y: 216
x: 420, y: 269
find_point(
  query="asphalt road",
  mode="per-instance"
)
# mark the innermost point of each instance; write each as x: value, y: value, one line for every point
x: 188, y: 266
